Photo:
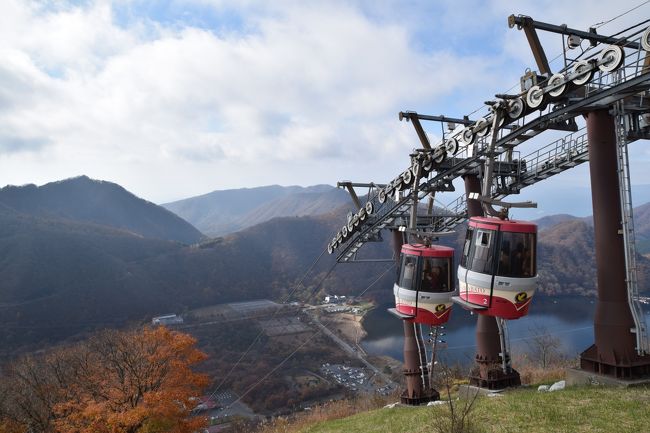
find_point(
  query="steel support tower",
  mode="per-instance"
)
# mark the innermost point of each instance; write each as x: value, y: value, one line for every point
x: 613, y: 72
x: 614, y: 352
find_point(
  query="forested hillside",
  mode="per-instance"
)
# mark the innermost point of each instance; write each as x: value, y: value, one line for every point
x: 60, y: 276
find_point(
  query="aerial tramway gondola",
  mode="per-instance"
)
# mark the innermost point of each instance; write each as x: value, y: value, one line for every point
x: 497, y: 275
x: 425, y: 284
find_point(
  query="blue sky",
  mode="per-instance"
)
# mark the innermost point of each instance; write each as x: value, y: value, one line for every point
x: 175, y: 14
x: 177, y: 98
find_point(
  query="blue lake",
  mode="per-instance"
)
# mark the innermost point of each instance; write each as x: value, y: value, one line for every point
x: 568, y: 318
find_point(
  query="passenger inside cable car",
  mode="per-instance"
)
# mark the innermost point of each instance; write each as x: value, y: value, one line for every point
x: 435, y: 277
x: 408, y: 272
x: 424, y: 286
x: 497, y: 273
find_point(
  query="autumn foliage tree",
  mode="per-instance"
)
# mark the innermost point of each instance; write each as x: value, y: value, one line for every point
x: 116, y: 382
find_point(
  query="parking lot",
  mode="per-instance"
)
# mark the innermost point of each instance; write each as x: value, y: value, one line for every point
x: 227, y: 406
x: 356, y: 379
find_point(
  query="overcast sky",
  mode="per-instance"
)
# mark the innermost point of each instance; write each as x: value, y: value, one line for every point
x: 172, y: 99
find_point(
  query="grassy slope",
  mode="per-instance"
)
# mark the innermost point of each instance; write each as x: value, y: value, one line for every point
x: 573, y: 410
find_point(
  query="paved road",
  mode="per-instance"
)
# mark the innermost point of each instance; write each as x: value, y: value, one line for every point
x: 349, y: 349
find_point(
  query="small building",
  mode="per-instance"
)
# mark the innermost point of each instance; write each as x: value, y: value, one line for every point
x: 167, y: 319
x: 334, y: 299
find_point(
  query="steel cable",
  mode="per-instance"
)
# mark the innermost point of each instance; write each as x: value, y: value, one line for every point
x: 311, y: 337
x: 602, y: 23
x: 259, y: 334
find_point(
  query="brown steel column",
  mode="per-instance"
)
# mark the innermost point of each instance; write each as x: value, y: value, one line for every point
x: 488, y: 372
x: 614, y: 352
x: 415, y: 393
x: 473, y: 185
x: 412, y: 371
x: 398, y: 241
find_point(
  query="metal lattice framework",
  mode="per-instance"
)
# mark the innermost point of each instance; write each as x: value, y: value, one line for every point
x: 612, y: 73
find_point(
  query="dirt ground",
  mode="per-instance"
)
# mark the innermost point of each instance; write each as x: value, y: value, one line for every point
x: 349, y: 325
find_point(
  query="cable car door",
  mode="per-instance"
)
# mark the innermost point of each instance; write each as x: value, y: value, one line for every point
x: 478, y: 254
x: 465, y: 260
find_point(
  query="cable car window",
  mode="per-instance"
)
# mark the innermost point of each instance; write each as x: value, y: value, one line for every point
x: 483, y: 252
x: 466, y: 247
x: 407, y: 275
x: 435, y: 275
x: 517, y: 255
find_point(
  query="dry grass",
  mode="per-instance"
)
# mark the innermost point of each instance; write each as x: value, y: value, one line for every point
x: 533, y: 374
x: 346, y: 325
x: 325, y: 412
x: 536, y: 375
x: 574, y: 410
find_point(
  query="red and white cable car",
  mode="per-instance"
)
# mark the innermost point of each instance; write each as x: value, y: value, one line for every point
x: 497, y: 275
x: 425, y: 284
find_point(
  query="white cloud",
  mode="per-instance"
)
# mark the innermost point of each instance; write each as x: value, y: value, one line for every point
x: 307, y: 85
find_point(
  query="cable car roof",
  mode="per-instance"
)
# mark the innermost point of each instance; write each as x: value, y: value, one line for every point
x: 430, y: 251
x: 492, y: 223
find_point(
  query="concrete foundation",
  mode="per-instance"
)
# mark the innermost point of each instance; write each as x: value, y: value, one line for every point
x: 470, y: 391
x: 576, y: 377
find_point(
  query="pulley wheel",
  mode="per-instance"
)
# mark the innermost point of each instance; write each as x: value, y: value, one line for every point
x: 415, y: 169
x: 407, y: 177
x: 443, y: 155
x: 344, y: 232
x: 369, y: 208
x: 349, y: 217
x: 382, y: 196
x: 645, y: 39
x: 502, y: 120
x: 427, y: 164
x: 350, y: 228
x: 339, y: 236
x: 611, y: 58
x: 556, y: 85
x: 330, y: 248
x: 535, y: 97
x: 467, y: 136
x: 516, y: 108
x: 452, y: 146
x: 362, y: 214
x: 583, y: 73
x: 481, y: 127
x: 355, y: 220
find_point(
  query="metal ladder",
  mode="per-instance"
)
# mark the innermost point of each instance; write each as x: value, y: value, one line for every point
x: 625, y: 192
x: 504, y: 340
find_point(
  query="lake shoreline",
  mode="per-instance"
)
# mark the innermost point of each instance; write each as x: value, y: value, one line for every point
x: 569, y: 317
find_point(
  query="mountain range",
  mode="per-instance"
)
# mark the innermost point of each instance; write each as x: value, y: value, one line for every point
x: 222, y: 212
x: 85, y: 200
x: 67, y: 266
